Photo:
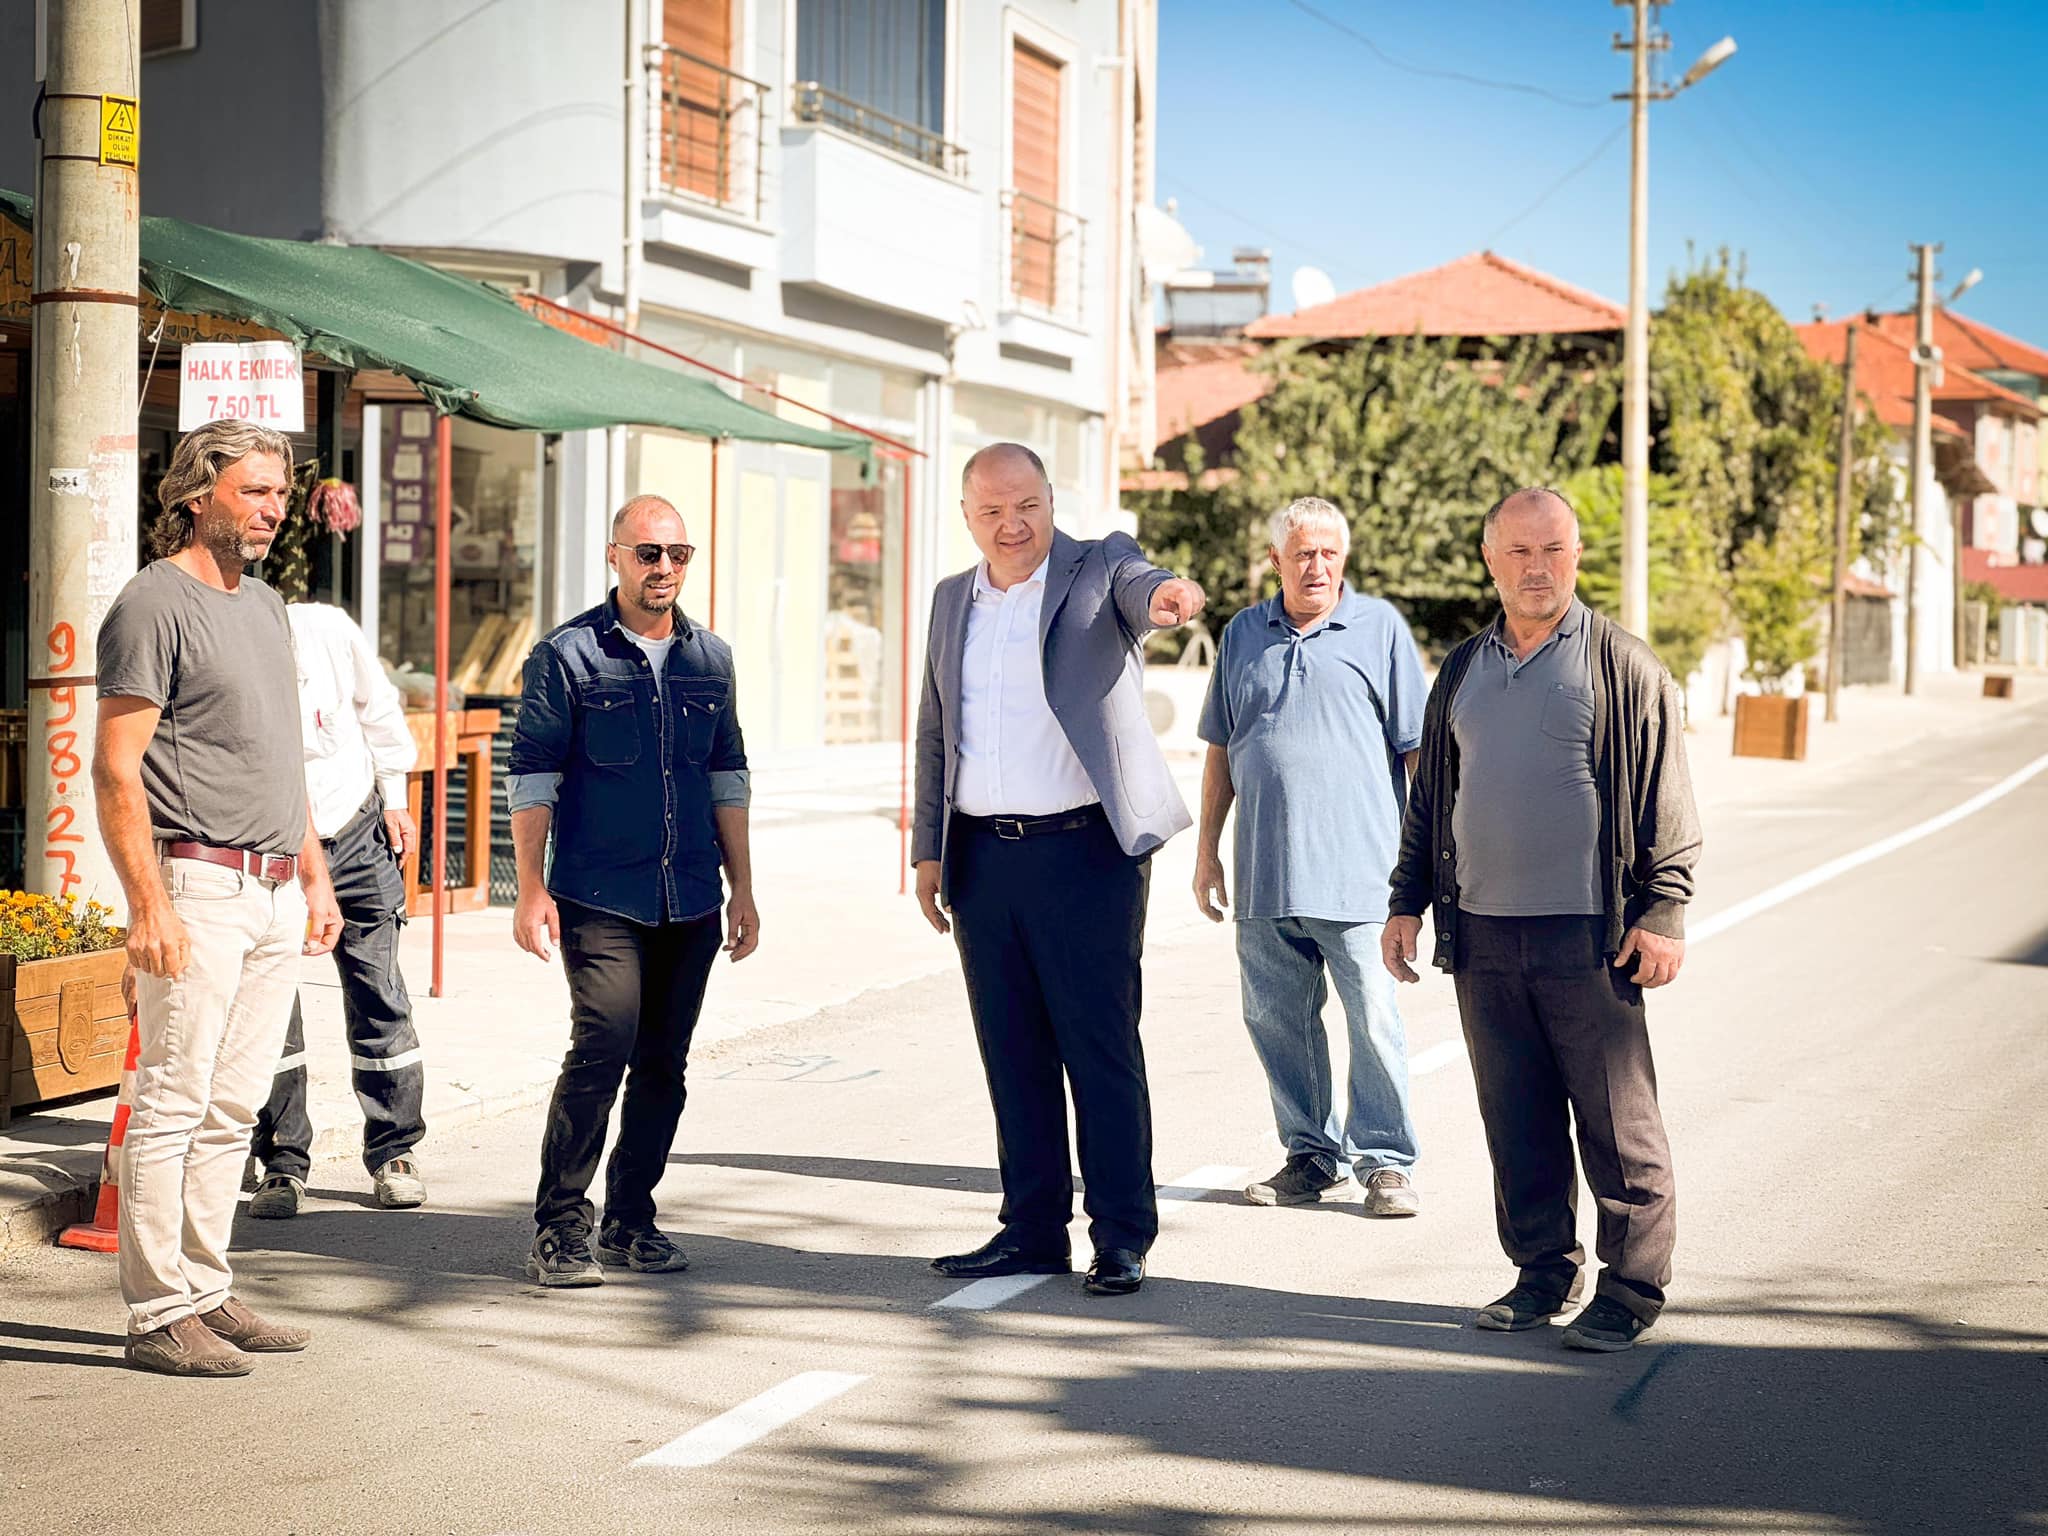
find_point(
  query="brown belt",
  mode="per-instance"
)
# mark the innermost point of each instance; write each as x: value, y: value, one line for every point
x: 264, y: 866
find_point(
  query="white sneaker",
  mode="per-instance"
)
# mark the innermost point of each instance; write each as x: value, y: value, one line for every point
x: 399, y: 1185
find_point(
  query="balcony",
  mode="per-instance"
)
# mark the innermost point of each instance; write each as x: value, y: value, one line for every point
x: 815, y: 105
x: 707, y: 131
x: 891, y: 231
x: 1044, y: 249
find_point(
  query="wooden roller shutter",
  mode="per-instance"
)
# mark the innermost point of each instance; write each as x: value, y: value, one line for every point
x: 696, y: 100
x: 1034, y: 174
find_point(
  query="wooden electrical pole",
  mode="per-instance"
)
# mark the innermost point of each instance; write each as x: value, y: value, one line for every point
x: 1838, y: 639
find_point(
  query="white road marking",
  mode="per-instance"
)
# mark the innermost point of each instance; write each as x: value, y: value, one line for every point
x: 1203, y: 1182
x: 1436, y: 1057
x: 737, y: 1428
x: 983, y: 1294
x: 1820, y: 874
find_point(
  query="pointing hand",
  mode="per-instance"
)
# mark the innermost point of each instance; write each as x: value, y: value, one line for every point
x: 1176, y: 602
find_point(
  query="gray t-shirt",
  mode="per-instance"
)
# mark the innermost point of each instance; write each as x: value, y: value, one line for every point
x: 1527, y: 813
x: 226, y: 765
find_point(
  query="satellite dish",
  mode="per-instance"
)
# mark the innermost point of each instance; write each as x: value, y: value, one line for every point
x: 1311, y: 286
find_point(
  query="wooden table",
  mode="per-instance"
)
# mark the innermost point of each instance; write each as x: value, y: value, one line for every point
x: 468, y: 733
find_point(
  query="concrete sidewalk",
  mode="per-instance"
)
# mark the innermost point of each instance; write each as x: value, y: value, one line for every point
x: 833, y: 928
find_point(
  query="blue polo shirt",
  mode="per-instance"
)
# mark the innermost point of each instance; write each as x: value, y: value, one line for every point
x: 1316, y: 723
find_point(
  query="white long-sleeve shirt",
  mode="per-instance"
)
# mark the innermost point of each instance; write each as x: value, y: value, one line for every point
x: 1015, y: 759
x: 352, y: 718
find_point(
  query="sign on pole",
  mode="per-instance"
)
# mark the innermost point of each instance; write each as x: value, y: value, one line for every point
x: 259, y: 381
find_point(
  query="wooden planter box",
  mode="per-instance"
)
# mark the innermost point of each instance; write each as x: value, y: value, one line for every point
x: 1998, y: 685
x: 1769, y: 725
x: 63, y: 1027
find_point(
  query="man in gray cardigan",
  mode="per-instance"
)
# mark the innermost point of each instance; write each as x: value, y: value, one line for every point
x: 1551, y: 831
x: 1041, y: 793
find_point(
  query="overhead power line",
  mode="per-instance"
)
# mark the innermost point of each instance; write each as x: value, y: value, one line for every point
x: 1428, y: 73
x: 1558, y: 185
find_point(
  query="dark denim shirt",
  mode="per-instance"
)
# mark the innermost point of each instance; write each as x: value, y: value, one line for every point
x: 633, y: 770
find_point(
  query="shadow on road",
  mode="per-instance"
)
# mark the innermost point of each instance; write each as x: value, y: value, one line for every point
x: 1905, y: 1426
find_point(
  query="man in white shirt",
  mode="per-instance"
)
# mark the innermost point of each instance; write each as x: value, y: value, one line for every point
x: 358, y: 750
x: 1041, y: 794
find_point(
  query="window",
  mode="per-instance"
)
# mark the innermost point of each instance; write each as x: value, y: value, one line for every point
x: 701, y: 98
x: 169, y: 26
x: 877, y: 69
x: 1035, y: 80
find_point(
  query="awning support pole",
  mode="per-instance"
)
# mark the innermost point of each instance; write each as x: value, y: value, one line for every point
x: 903, y: 706
x: 444, y: 497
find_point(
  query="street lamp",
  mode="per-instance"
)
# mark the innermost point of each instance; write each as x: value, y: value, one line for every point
x: 1635, y: 436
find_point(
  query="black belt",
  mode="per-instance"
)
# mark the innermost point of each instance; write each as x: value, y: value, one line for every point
x: 1015, y: 828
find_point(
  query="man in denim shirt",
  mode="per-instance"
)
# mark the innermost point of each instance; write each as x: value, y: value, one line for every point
x: 628, y: 749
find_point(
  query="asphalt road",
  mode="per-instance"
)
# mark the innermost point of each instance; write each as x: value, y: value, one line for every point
x: 1854, y: 1080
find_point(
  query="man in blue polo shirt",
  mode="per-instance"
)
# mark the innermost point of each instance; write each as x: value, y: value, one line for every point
x: 1313, y: 718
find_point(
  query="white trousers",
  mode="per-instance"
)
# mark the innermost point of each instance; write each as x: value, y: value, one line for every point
x: 210, y: 1042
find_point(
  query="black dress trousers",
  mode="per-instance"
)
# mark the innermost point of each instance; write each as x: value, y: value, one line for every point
x: 1051, y: 931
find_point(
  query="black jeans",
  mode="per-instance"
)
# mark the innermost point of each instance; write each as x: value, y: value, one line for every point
x: 1051, y: 930
x: 384, y: 1052
x: 634, y: 995
x: 1558, y: 1035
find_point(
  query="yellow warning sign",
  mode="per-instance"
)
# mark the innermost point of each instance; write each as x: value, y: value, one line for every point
x: 120, y: 130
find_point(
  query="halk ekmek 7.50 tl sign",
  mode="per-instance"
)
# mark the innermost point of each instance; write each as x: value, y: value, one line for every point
x: 258, y: 381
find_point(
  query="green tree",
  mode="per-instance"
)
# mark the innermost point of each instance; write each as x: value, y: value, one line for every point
x: 1776, y: 601
x: 1413, y: 441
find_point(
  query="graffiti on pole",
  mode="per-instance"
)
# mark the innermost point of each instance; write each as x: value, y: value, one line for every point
x: 60, y: 744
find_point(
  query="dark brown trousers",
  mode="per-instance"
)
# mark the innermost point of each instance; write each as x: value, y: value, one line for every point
x: 1556, y: 1034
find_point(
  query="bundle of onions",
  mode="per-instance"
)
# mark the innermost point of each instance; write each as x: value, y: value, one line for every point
x: 333, y: 505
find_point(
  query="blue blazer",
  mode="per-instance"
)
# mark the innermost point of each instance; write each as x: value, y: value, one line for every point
x: 1096, y: 613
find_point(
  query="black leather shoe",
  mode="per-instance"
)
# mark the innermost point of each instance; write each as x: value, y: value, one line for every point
x: 1000, y: 1255
x: 1115, y: 1272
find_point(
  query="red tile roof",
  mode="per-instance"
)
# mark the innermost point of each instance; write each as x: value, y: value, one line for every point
x: 1477, y: 295
x: 2015, y: 583
x: 1863, y: 586
x: 1884, y: 374
x: 1198, y: 384
x: 1970, y: 343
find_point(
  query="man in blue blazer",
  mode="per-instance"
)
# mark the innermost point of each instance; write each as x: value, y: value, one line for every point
x: 1041, y: 793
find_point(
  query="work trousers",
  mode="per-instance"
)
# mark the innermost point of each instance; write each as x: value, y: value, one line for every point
x: 384, y: 1053
x: 1051, y: 931
x: 209, y: 1043
x: 635, y: 991
x: 1557, y: 1035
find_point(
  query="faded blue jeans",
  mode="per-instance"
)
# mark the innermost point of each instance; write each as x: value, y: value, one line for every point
x: 1286, y: 966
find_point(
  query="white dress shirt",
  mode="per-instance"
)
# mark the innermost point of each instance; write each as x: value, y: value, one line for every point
x: 1015, y: 759
x: 352, y: 718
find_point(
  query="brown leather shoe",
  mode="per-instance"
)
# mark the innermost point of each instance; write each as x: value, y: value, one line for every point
x: 232, y: 1320
x: 186, y: 1348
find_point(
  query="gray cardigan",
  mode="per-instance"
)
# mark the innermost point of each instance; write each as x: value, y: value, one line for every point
x: 1649, y: 828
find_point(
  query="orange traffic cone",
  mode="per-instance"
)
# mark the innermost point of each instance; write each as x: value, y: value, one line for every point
x: 103, y: 1233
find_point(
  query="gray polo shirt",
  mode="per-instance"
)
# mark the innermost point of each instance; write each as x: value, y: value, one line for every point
x: 1316, y: 723
x: 1527, y: 813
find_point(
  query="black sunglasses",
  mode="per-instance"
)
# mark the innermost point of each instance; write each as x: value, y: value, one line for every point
x: 650, y: 554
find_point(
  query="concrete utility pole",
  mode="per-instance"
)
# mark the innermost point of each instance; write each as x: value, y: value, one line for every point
x: 82, y: 476
x: 632, y: 245
x: 1838, y: 640
x: 1643, y: 41
x: 1924, y: 361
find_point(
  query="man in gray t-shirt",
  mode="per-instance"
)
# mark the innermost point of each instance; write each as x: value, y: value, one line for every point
x: 201, y: 786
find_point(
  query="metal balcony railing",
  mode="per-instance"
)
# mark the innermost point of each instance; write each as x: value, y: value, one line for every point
x: 1044, y: 254
x: 812, y: 103
x: 709, y: 127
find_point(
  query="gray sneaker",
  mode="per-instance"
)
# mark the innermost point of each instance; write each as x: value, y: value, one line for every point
x: 277, y: 1198
x: 399, y: 1185
x: 1606, y: 1326
x: 562, y: 1258
x: 1303, y: 1180
x: 646, y: 1251
x: 1388, y: 1192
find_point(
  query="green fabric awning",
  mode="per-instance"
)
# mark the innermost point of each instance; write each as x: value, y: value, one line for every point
x: 470, y: 349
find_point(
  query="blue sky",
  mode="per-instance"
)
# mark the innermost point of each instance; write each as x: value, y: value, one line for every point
x: 1839, y: 133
